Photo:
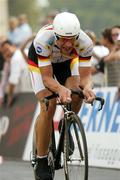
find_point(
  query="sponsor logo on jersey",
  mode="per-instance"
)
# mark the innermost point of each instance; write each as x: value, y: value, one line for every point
x: 39, y: 49
x: 87, y: 52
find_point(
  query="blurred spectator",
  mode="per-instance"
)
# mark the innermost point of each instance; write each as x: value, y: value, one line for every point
x: 18, y: 70
x: 106, y: 41
x: 24, y: 30
x: 1, y: 61
x: 92, y: 36
x: 49, y: 18
x: 4, y: 81
x: 115, y: 52
x: 2, y: 38
x: 13, y: 30
x: 117, y: 98
x: 24, y: 47
x: 99, y: 51
x: 112, y: 60
x: 115, y: 31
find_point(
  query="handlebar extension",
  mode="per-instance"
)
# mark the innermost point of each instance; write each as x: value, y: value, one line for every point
x: 77, y: 92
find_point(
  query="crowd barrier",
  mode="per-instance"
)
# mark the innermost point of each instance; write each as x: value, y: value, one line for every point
x: 15, y: 123
x: 102, y: 128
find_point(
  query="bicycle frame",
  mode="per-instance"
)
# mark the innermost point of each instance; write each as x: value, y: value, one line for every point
x: 57, y: 150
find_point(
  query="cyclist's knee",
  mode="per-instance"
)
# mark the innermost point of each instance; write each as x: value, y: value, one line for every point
x: 52, y: 103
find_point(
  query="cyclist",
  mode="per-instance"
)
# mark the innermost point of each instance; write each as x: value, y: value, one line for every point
x: 59, y: 59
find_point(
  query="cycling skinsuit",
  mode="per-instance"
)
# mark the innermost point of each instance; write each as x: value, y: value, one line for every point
x: 44, y: 51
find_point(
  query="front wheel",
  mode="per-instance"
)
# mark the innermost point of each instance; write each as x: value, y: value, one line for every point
x: 75, y: 150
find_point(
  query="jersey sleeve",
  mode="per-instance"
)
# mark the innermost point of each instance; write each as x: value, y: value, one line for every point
x: 43, y: 55
x: 42, y: 50
x: 74, y: 64
x: 85, y: 57
x: 85, y: 50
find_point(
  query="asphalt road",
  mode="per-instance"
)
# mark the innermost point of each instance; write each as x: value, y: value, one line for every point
x: 16, y: 170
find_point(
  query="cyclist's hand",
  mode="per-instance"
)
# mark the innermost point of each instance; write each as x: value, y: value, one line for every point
x: 64, y: 94
x: 89, y: 95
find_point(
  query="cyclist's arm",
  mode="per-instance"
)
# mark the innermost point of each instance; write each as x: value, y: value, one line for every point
x: 85, y: 77
x: 54, y: 85
x: 44, y: 63
x: 74, y: 67
x: 85, y: 72
x: 87, y: 85
x: 85, y: 65
x: 48, y: 80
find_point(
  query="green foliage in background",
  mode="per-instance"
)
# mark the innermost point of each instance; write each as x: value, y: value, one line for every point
x: 93, y: 14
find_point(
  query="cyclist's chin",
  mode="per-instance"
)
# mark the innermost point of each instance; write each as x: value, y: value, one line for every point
x: 66, y: 51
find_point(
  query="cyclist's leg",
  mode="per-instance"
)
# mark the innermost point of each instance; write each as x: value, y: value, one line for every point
x: 43, y: 126
x: 43, y: 130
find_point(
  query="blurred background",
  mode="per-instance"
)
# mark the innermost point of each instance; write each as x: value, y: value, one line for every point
x: 93, y: 14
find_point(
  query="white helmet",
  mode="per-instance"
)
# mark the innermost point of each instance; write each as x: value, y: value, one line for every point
x: 66, y: 24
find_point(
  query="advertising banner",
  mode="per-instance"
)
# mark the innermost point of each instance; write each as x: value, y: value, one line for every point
x: 15, y: 123
x: 103, y: 129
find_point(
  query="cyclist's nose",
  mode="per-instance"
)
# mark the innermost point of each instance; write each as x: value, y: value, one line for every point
x: 68, y: 43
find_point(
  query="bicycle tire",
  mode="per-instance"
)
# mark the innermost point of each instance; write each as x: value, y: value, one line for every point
x: 76, y: 168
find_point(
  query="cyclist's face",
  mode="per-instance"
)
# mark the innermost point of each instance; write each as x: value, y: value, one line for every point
x: 66, y: 45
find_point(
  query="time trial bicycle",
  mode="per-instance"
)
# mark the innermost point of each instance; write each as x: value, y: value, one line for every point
x: 70, y: 152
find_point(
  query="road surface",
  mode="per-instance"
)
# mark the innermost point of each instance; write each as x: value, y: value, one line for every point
x: 19, y: 170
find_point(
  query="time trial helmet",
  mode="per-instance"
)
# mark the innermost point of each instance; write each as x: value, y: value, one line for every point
x: 66, y: 24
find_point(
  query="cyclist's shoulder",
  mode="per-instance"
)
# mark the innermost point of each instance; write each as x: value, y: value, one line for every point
x: 84, y: 44
x: 84, y: 39
x: 44, y: 40
x: 45, y: 35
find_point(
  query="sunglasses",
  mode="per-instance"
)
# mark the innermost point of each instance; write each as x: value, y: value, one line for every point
x: 67, y: 37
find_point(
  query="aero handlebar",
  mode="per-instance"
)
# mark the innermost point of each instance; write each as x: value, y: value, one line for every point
x: 77, y: 92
